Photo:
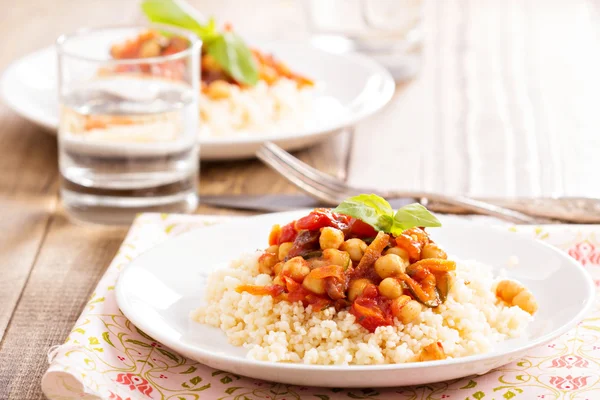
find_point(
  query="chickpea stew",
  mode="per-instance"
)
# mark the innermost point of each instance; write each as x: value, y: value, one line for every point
x: 333, y: 259
x: 214, y: 77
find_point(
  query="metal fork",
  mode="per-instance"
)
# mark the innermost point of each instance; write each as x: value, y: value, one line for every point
x: 332, y: 191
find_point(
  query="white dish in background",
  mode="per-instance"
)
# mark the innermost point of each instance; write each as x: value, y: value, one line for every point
x: 158, y: 290
x: 350, y: 87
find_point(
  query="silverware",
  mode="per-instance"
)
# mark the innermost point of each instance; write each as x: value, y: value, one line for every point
x: 274, y: 202
x: 331, y: 191
x: 288, y: 202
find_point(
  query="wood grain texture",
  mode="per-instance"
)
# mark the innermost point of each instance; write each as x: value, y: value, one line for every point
x: 48, y: 265
x: 505, y: 104
x: 68, y: 266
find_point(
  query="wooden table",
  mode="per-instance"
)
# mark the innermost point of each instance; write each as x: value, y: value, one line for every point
x: 506, y: 104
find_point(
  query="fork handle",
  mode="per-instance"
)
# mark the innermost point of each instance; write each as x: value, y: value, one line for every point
x: 481, y: 207
x: 582, y: 210
x: 579, y: 210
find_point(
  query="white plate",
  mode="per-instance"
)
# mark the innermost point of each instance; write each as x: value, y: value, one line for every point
x: 350, y: 88
x: 158, y: 290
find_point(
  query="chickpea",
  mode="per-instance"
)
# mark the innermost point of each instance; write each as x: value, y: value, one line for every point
x: 432, y: 250
x: 284, y: 249
x: 296, y: 268
x: 405, y: 309
x: 209, y: 63
x: 273, y: 249
x: 389, y: 265
x: 315, y: 285
x: 336, y: 257
x: 150, y: 48
x: 331, y: 238
x: 526, y: 302
x: 516, y: 294
x: 266, y: 262
x: 278, y: 281
x: 278, y: 268
x: 432, y: 352
x: 356, y: 287
x: 507, y: 290
x: 403, y: 254
x: 390, y: 288
x: 355, y: 247
x: 218, y: 90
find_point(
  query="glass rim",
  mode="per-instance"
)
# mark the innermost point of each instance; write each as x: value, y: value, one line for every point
x: 195, y: 44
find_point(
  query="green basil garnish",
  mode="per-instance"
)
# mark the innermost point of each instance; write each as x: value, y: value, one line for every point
x: 227, y: 48
x: 377, y: 212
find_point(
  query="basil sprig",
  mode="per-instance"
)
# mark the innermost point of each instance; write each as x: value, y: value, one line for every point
x: 378, y: 213
x: 226, y: 47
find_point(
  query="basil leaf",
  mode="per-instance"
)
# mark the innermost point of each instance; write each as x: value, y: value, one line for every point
x: 170, y: 12
x: 227, y: 48
x: 413, y: 215
x: 232, y: 54
x: 369, y: 208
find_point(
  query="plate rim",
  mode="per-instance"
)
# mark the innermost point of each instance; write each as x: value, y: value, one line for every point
x: 385, y: 94
x: 245, y: 362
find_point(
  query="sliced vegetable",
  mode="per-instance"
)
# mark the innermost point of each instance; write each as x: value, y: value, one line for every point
x: 329, y: 271
x: 274, y: 235
x: 373, y: 252
x: 443, y: 284
x: 312, y: 254
x: 361, y: 229
x: 422, y: 285
x: 369, y: 312
x: 322, y: 217
x: 288, y: 234
x: 412, y: 241
x: 272, y: 290
x: 335, y: 288
x: 436, y: 264
x: 305, y: 242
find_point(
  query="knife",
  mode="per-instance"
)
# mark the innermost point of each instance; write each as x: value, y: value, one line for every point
x: 566, y: 209
x: 274, y: 202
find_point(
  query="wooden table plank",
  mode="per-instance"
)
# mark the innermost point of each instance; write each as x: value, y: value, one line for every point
x: 66, y: 271
x: 505, y: 104
x: 55, y: 264
x: 27, y: 199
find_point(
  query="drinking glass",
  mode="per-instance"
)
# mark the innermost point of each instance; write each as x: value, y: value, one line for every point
x: 128, y: 127
x: 390, y: 31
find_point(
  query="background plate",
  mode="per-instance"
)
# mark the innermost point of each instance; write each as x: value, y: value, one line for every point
x: 350, y: 87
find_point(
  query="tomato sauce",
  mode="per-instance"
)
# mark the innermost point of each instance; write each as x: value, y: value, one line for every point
x: 370, y: 308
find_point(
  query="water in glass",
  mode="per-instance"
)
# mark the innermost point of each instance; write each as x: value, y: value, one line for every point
x: 127, y: 144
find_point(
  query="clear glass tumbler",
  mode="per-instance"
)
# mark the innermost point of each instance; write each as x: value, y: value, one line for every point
x: 128, y: 126
x: 388, y: 30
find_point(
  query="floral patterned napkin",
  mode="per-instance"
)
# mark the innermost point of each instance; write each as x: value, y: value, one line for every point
x: 107, y: 357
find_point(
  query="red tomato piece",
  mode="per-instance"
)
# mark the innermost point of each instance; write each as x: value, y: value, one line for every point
x: 371, y: 310
x: 320, y: 218
x: 361, y: 229
x: 288, y: 233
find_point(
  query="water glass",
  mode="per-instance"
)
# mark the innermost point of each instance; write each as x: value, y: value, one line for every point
x: 390, y: 31
x: 128, y: 127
